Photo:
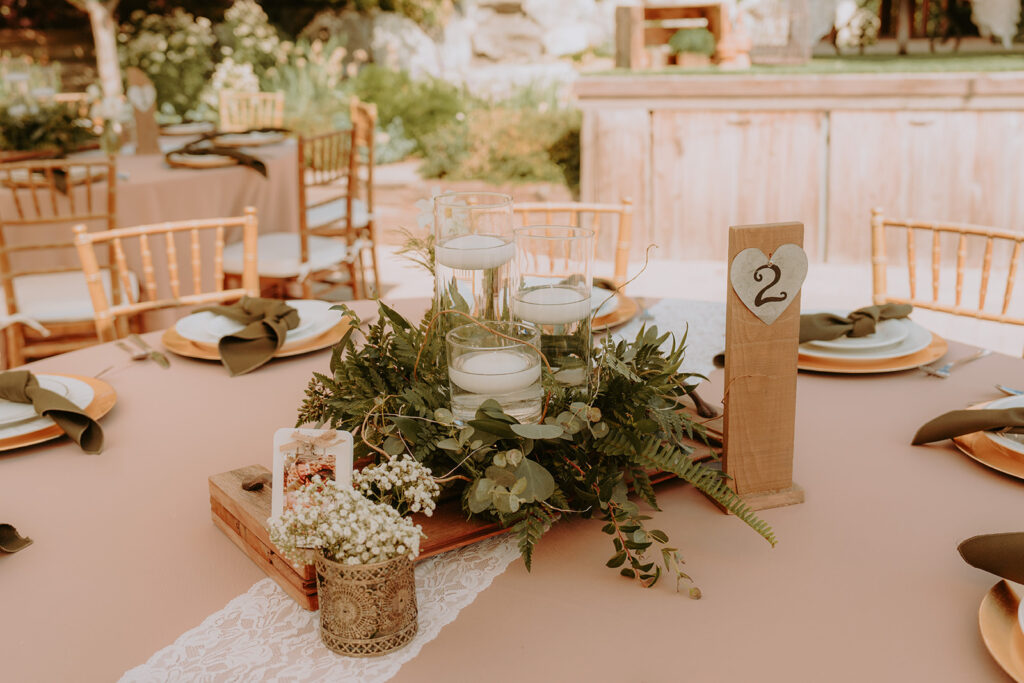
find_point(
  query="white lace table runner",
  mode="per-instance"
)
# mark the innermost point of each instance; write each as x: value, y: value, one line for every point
x: 703, y: 323
x: 264, y: 635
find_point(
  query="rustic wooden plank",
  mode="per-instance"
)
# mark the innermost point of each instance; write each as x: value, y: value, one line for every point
x: 710, y: 171
x: 629, y: 38
x: 616, y: 155
x: 761, y: 362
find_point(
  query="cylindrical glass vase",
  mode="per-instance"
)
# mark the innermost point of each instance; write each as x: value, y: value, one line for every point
x: 472, y: 252
x: 551, y: 287
x: 366, y: 610
x: 495, y: 360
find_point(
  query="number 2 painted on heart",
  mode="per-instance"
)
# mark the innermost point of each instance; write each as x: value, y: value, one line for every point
x: 761, y: 299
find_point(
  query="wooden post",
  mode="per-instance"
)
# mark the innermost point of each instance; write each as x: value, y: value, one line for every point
x: 760, y: 374
x: 629, y: 38
x: 142, y: 96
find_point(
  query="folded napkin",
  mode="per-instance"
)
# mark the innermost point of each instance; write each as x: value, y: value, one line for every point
x: 21, y: 386
x: 1000, y: 554
x: 266, y: 321
x: 860, y: 323
x: 242, y: 158
x: 11, y: 541
x: 960, y: 422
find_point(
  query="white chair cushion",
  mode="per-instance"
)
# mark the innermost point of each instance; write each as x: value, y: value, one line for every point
x: 331, y: 212
x: 279, y: 255
x: 61, y: 297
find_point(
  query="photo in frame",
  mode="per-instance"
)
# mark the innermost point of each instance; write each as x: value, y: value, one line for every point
x: 300, y: 454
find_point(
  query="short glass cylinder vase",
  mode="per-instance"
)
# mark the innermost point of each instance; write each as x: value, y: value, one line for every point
x: 366, y: 610
x: 495, y: 360
x: 472, y: 252
x: 551, y: 287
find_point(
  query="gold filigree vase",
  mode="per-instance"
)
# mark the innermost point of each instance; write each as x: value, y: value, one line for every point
x: 366, y: 610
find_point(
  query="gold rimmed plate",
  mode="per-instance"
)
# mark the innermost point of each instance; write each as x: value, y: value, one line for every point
x: 1000, y: 629
x: 176, y: 343
x: 935, y: 350
x: 980, y: 447
x: 184, y: 160
x: 103, y: 399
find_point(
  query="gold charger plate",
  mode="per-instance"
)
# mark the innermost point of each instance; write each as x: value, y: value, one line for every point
x: 103, y: 399
x: 1000, y: 629
x: 623, y: 313
x: 175, y: 343
x: 980, y: 448
x: 931, y: 353
x: 251, y: 141
x: 201, y: 161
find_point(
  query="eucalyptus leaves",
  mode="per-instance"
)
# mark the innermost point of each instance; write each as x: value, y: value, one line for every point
x: 591, y: 455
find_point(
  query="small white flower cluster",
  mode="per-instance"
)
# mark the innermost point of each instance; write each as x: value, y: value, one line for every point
x: 229, y: 75
x: 343, y: 525
x: 401, y: 482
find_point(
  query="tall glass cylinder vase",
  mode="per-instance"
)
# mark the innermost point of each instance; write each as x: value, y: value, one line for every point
x: 472, y: 252
x: 551, y: 287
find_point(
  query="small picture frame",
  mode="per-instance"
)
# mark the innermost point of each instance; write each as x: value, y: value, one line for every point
x: 300, y: 454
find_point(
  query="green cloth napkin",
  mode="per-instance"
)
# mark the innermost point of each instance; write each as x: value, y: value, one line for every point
x: 266, y: 321
x: 11, y: 541
x: 960, y: 422
x: 1000, y: 554
x: 21, y: 386
x: 860, y: 323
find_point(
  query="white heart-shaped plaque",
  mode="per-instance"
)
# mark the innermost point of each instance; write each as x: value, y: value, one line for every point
x: 142, y: 97
x: 767, y: 286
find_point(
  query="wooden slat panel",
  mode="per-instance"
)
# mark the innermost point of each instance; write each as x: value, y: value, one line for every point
x: 197, y: 264
x: 1011, y: 277
x: 961, y: 262
x: 986, y: 267
x: 148, y: 273
x: 172, y: 264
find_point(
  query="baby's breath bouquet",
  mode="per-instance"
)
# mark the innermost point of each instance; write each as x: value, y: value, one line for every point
x: 360, y: 524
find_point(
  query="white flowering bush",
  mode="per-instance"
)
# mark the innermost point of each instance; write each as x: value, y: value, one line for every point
x: 312, y: 75
x: 401, y: 482
x: 176, y: 52
x: 345, y: 526
x: 247, y: 37
x: 229, y: 75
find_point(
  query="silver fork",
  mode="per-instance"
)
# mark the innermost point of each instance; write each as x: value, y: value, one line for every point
x: 948, y: 368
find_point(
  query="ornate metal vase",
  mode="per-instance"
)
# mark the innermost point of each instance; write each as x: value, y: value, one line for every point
x: 366, y: 610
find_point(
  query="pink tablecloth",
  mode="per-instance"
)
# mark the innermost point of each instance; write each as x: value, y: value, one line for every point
x: 864, y: 585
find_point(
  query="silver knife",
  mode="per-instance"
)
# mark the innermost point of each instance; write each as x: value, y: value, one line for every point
x: 154, y: 355
x: 1008, y: 391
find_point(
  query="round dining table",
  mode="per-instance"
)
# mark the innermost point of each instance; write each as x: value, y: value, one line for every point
x: 865, y: 583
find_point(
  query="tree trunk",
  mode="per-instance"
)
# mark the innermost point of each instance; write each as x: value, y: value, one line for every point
x: 104, y: 35
x: 904, y: 19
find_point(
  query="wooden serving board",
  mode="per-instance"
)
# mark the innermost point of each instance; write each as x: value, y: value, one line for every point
x: 242, y: 515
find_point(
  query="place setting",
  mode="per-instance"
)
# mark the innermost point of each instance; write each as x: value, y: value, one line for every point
x: 35, y: 408
x: 1001, y: 615
x: 873, y: 339
x: 246, y: 335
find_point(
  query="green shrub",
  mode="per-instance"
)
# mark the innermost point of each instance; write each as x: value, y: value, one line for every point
x: 526, y: 138
x: 694, y: 40
x: 423, y: 105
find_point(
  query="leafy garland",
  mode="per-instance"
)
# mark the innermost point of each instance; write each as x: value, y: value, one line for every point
x: 589, y: 454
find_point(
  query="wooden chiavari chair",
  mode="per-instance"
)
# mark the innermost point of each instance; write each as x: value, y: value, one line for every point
x: 242, y: 111
x: 108, y: 313
x: 557, y: 213
x: 335, y: 218
x: 947, y: 296
x: 41, y: 277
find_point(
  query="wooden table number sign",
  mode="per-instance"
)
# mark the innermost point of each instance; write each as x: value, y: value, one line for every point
x: 142, y: 96
x: 767, y: 266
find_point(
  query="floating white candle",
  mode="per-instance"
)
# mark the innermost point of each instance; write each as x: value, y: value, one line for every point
x: 555, y: 305
x: 474, y: 252
x: 494, y: 372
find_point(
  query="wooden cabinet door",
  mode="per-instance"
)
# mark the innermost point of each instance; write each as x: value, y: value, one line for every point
x: 713, y: 169
x: 925, y: 165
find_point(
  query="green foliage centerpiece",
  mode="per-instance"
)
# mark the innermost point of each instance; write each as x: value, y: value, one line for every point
x: 589, y: 453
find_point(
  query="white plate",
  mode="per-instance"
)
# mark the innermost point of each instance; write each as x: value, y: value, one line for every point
x: 917, y: 338
x: 1014, y: 442
x: 315, y: 317
x: 202, y: 160
x: 600, y: 304
x: 11, y: 412
x: 75, y: 390
x: 887, y: 333
x: 248, y: 139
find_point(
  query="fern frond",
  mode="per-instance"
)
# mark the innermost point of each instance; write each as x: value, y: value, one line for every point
x: 529, y: 529
x: 708, y: 481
